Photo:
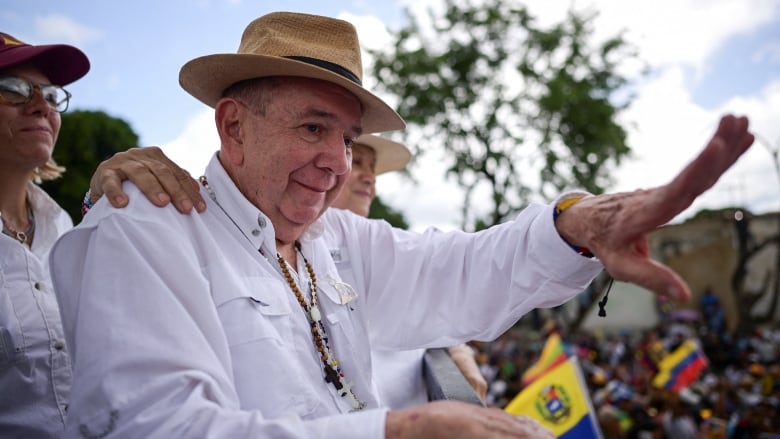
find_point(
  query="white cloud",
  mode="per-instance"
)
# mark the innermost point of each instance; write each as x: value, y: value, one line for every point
x: 673, y: 31
x: 769, y: 52
x: 193, y: 148
x: 61, y: 28
x: 433, y: 202
x: 371, y: 30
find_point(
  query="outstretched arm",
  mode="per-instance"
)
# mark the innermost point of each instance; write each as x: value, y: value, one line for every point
x: 160, y: 179
x: 615, y: 227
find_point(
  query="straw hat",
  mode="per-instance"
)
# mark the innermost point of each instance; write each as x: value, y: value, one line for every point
x: 61, y: 63
x: 291, y: 44
x: 390, y: 156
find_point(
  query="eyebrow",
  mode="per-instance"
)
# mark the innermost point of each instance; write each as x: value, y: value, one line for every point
x: 313, y: 112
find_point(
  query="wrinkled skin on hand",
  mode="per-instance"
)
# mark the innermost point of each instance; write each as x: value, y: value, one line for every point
x: 458, y: 420
x: 160, y: 179
x: 615, y: 227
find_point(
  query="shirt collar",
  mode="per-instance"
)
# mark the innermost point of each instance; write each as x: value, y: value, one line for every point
x: 251, y: 221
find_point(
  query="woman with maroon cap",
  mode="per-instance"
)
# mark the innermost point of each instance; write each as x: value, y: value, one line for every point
x: 35, y: 368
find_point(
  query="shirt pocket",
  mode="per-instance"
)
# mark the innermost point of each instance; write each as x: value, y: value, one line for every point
x: 340, y: 319
x: 253, y: 308
x: 10, y: 351
x: 13, y: 349
x: 268, y: 371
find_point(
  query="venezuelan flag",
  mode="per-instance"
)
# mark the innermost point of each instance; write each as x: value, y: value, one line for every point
x: 681, y: 367
x: 559, y: 400
x: 554, y: 353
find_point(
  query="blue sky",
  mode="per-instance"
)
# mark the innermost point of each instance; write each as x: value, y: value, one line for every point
x: 707, y: 57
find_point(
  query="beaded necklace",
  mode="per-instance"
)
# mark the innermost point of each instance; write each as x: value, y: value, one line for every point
x: 331, y: 366
x: 22, y: 236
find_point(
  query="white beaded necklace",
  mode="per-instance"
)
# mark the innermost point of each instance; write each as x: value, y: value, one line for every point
x: 331, y: 366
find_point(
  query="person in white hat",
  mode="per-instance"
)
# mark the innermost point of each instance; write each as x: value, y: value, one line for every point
x: 35, y: 366
x: 372, y: 155
x: 399, y: 375
x: 236, y: 323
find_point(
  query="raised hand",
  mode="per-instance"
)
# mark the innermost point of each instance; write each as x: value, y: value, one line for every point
x: 615, y: 227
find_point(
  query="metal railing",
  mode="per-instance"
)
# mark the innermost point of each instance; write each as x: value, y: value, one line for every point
x: 444, y: 380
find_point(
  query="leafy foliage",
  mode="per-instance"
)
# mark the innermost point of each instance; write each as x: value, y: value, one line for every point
x: 487, y: 81
x: 86, y: 139
x: 380, y: 210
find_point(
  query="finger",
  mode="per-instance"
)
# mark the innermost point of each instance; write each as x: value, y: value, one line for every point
x: 200, y: 203
x: 729, y: 142
x: 535, y: 429
x: 191, y: 188
x: 123, y: 166
x: 141, y: 175
x: 480, y: 385
x: 649, y: 274
x: 183, y: 190
x: 109, y: 184
x: 176, y: 186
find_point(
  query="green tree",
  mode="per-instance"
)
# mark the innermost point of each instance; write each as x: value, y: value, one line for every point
x: 86, y: 139
x: 383, y: 211
x: 507, y: 99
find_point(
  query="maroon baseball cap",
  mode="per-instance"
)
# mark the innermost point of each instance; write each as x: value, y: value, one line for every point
x: 61, y: 63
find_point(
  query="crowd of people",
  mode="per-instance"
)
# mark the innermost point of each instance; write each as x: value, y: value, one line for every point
x: 736, y: 396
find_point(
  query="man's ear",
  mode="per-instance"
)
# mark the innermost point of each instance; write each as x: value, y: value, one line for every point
x: 229, y: 115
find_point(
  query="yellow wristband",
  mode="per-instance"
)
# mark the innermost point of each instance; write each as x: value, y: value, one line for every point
x: 559, y: 208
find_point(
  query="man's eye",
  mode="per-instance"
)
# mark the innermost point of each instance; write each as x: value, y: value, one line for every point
x: 312, y: 128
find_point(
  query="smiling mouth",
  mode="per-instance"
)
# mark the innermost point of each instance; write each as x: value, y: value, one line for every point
x: 313, y: 189
x: 38, y: 130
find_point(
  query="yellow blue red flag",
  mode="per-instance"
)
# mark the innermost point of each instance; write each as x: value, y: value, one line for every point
x: 559, y: 400
x: 681, y: 367
x: 554, y: 352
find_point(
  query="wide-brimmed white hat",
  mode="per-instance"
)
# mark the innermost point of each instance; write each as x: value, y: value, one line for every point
x: 291, y: 44
x: 390, y: 156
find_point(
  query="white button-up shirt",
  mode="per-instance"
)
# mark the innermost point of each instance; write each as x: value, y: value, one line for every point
x: 183, y: 326
x: 35, y: 371
x: 398, y: 375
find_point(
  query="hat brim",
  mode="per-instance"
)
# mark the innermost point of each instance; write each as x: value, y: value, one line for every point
x: 207, y: 77
x: 390, y: 155
x: 61, y: 63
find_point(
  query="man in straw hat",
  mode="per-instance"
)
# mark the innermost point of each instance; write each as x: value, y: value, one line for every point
x: 235, y: 322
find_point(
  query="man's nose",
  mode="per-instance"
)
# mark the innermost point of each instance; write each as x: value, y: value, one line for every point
x: 335, y: 156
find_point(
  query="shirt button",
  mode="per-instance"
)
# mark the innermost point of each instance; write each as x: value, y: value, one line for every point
x: 261, y: 222
x: 38, y: 285
x: 59, y: 345
x: 255, y: 232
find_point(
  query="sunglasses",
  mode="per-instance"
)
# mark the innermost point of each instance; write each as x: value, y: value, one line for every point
x: 18, y: 91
